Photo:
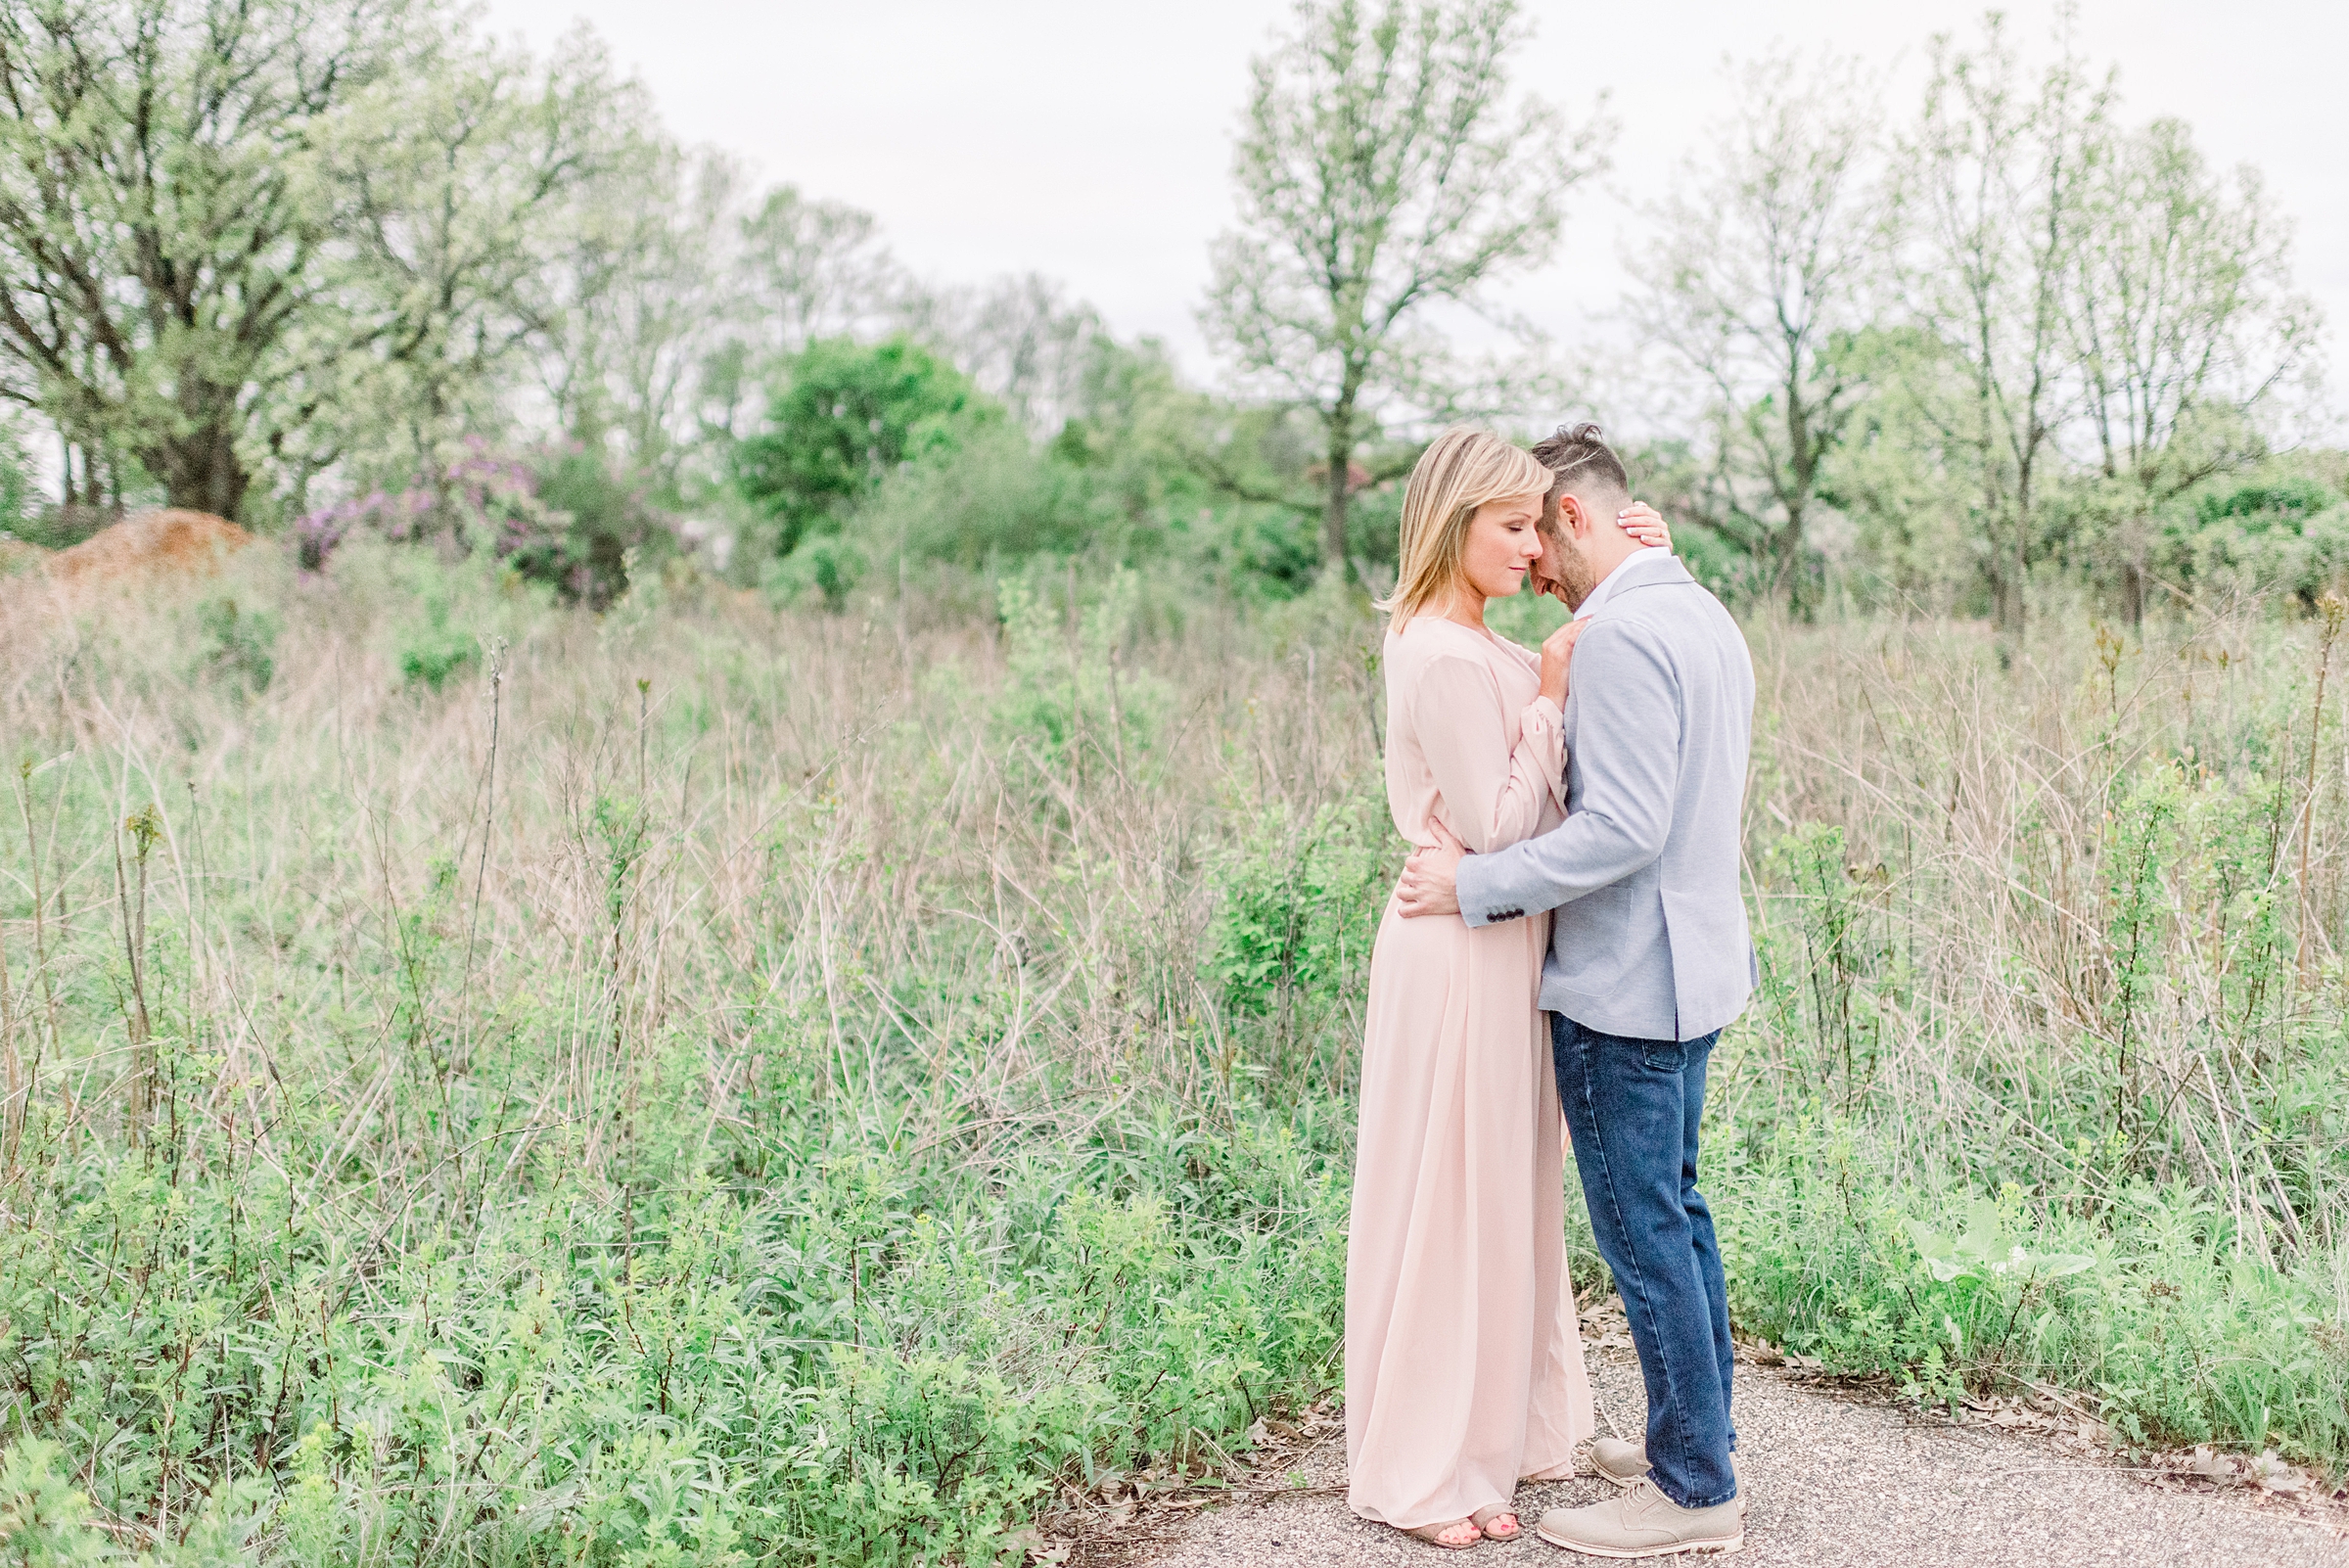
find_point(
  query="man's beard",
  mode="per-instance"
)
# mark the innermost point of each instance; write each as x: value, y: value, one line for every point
x: 1563, y: 572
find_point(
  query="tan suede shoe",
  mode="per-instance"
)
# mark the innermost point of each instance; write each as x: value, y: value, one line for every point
x: 1642, y: 1522
x: 1626, y: 1462
x: 1617, y: 1460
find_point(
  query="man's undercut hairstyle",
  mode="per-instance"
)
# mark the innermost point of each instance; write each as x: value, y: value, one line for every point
x: 1579, y: 459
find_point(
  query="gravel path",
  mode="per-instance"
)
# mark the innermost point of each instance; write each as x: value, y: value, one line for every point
x: 1835, y: 1481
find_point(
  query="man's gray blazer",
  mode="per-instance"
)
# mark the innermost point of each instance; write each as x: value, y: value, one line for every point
x: 1650, y: 939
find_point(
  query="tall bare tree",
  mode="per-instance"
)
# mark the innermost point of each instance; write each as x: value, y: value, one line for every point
x: 1021, y: 338
x: 2184, y: 323
x: 816, y: 268
x: 1768, y: 265
x: 638, y: 295
x: 1385, y: 169
x: 1996, y: 175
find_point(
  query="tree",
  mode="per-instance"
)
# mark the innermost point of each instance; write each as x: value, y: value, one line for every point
x: 800, y: 268
x: 158, y: 235
x: 1994, y: 176
x: 848, y: 415
x: 1019, y: 339
x: 2182, y: 323
x: 814, y: 268
x: 1765, y: 271
x: 1383, y: 171
x: 459, y: 191
x: 17, y: 495
x: 641, y: 295
x: 223, y: 223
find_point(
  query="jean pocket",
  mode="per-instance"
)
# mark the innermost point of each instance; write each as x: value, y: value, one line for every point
x: 1666, y: 1056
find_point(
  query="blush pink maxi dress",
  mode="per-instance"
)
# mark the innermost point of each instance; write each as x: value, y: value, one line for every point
x: 1463, y: 1354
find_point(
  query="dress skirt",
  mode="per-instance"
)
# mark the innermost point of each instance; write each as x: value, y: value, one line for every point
x: 1463, y: 1356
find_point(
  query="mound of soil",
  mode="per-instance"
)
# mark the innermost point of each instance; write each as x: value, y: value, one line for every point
x: 172, y: 543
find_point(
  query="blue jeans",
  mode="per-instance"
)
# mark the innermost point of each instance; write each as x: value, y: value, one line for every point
x: 1633, y: 1106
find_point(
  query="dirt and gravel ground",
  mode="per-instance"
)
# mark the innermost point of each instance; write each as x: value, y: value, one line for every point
x: 1837, y: 1480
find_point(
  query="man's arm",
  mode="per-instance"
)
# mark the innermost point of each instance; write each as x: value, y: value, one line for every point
x: 1627, y: 746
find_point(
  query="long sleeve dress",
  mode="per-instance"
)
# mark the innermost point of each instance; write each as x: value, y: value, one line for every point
x: 1463, y: 1356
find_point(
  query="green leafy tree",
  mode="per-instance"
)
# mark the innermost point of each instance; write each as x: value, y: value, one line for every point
x: 229, y: 229
x: 158, y: 233
x: 1385, y: 172
x: 848, y: 416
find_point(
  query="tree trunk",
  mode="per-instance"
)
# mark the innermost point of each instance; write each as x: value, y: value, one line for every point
x: 201, y: 470
x: 1789, y: 551
x: 1341, y: 476
x: 1802, y: 458
x: 2022, y: 554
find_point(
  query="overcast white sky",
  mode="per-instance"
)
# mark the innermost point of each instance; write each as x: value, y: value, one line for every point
x: 1089, y: 139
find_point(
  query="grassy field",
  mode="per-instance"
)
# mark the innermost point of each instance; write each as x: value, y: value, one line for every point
x: 702, y: 1085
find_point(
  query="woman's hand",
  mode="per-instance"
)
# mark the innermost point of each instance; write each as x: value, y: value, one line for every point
x: 1645, y: 523
x: 1557, y: 652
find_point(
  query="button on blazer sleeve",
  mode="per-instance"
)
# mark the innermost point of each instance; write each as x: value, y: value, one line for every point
x: 1627, y: 739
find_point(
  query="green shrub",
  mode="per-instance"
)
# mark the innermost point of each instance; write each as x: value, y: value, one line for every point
x: 827, y: 565
x: 2287, y: 535
x: 845, y: 417
x: 44, y: 1523
x: 239, y: 647
x: 19, y: 494
x: 845, y: 1357
x: 994, y: 499
x: 1070, y: 699
x: 1298, y: 902
x: 430, y: 650
x: 599, y: 528
x: 2172, y: 1333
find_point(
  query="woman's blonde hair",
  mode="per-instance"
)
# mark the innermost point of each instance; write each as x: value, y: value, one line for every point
x: 1462, y: 470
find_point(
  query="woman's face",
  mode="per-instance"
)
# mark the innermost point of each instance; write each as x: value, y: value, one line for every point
x: 1504, y: 538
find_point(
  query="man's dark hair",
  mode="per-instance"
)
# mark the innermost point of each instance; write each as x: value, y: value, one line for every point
x: 1579, y: 454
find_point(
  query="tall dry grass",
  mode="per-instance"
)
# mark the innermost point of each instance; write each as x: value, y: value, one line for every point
x: 890, y: 1070
x: 657, y: 826
x: 863, y: 954
x: 2081, y: 915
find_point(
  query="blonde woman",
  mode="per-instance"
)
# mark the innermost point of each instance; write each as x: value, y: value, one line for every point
x: 1463, y: 1364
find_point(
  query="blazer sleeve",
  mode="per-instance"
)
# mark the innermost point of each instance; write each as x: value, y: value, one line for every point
x: 1627, y: 746
x: 1494, y: 770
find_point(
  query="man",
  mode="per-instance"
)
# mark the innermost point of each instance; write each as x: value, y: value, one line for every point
x: 1649, y: 957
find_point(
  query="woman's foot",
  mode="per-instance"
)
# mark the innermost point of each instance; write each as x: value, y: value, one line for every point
x: 1498, y: 1523
x: 1457, y: 1535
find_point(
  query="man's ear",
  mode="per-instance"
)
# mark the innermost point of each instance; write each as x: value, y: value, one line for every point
x: 1573, y: 518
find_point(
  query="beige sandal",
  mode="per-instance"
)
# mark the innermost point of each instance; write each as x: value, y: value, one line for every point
x: 1433, y: 1533
x: 1482, y: 1518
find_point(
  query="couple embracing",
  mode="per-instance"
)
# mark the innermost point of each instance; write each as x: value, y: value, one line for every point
x: 1566, y: 942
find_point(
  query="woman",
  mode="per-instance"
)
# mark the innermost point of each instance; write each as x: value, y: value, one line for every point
x: 1463, y: 1364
